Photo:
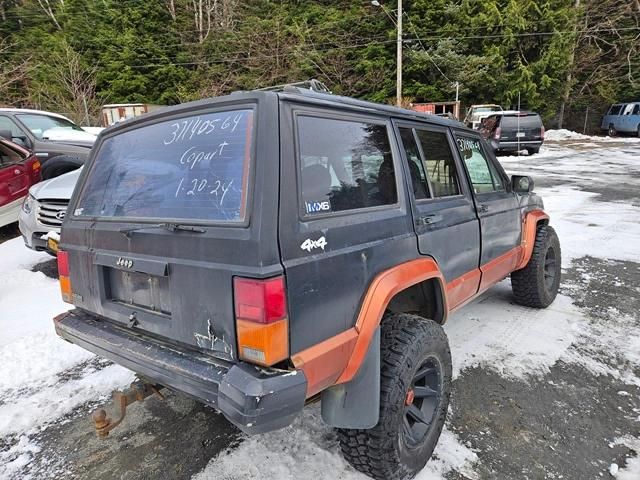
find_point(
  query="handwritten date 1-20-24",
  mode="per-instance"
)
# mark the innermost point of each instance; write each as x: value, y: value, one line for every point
x: 202, y: 186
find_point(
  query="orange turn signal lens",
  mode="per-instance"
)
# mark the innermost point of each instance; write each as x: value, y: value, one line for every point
x: 263, y: 344
x: 65, y: 289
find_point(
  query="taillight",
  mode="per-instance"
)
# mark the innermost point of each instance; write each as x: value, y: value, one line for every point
x: 497, y: 134
x: 63, y: 274
x: 261, y: 319
x: 542, y: 132
x: 35, y: 166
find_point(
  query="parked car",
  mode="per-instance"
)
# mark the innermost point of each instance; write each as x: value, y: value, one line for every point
x: 513, y: 131
x: 623, y: 118
x: 263, y: 250
x: 19, y: 169
x: 478, y: 112
x: 50, y: 136
x: 44, y: 209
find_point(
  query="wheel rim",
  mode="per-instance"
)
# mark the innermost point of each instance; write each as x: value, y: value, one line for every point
x: 421, y: 402
x: 550, y: 269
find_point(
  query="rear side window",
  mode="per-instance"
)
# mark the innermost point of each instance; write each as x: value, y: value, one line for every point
x: 344, y: 165
x: 191, y: 168
x: 482, y: 173
x: 439, y: 163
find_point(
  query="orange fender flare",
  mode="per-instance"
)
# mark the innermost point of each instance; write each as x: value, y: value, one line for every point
x: 337, y: 359
x: 529, y: 229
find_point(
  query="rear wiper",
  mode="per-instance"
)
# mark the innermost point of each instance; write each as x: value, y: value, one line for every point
x: 172, y: 227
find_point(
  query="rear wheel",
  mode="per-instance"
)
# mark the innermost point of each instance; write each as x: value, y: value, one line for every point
x: 415, y: 385
x: 533, y: 150
x: 612, y: 131
x: 536, y: 285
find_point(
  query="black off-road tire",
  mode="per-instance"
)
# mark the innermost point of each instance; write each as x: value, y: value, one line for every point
x: 536, y: 285
x: 410, y: 346
x: 533, y: 151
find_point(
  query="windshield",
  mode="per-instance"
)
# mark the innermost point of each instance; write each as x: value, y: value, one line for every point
x: 38, y: 124
x: 193, y: 168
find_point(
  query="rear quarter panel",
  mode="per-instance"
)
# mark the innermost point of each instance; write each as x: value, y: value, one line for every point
x: 325, y: 287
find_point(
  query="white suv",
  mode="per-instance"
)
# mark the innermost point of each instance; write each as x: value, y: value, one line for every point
x: 44, y: 209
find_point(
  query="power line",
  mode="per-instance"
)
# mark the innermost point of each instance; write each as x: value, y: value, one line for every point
x: 379, y: 42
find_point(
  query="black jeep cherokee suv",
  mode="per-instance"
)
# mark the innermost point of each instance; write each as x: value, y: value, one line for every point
x: 263, y: 249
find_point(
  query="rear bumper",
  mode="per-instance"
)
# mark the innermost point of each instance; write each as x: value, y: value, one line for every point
x: 256, y: 400
x: 515, y: 146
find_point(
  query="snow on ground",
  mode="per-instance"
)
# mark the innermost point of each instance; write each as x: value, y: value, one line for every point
x: 564, y: 134
x: 309, y: 449
x: 39, y: 383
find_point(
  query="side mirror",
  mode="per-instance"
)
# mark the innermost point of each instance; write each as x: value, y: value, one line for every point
x: 6, y: 134
x: 521, y: 183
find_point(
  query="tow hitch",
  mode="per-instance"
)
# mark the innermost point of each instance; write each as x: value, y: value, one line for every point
x: 137, y: 392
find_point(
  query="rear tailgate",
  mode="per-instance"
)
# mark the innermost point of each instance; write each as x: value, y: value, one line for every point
x: 196, y: 167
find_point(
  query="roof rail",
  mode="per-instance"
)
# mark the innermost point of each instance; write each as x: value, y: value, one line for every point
x: 312, y: 84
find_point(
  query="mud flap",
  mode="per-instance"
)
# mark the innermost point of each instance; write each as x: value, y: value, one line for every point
x: 356, y: 404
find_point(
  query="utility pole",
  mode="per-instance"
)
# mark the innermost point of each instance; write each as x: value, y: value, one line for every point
x: 399, y: 54
x: 398, y: 23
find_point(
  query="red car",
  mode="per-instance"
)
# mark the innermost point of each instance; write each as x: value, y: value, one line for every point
x: 19, y: 169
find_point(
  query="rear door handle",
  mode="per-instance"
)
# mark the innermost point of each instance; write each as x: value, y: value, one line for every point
x: 483, y: 208
x: 429, y: 219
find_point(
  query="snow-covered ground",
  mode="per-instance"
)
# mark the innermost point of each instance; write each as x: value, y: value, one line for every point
x: 44, y: 381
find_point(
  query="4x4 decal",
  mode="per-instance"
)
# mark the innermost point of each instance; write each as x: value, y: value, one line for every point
x: 309, y: 244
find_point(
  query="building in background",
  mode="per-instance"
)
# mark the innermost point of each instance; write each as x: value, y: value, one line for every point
x: 117, y: 112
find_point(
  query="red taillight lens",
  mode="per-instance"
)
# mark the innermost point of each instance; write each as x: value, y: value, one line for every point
x: 542, y: 132
x: 63, y: 274
x: 63, y: 263
x: 261, y: 320
x: 497, y: 134
x: 261, y: 301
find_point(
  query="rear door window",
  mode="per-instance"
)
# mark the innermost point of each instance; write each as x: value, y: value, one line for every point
x: 416, y: 167
x: 439, y: 163
x: 191, y: 168
x: 344, y: 165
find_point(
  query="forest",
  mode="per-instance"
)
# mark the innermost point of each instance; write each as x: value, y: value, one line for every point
x: 558, y: 56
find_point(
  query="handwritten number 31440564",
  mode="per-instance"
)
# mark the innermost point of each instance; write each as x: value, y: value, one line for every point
x: 194, y: 127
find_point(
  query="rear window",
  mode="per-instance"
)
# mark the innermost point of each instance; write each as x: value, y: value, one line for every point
x: 524, y: 121
x: 192, y: 168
